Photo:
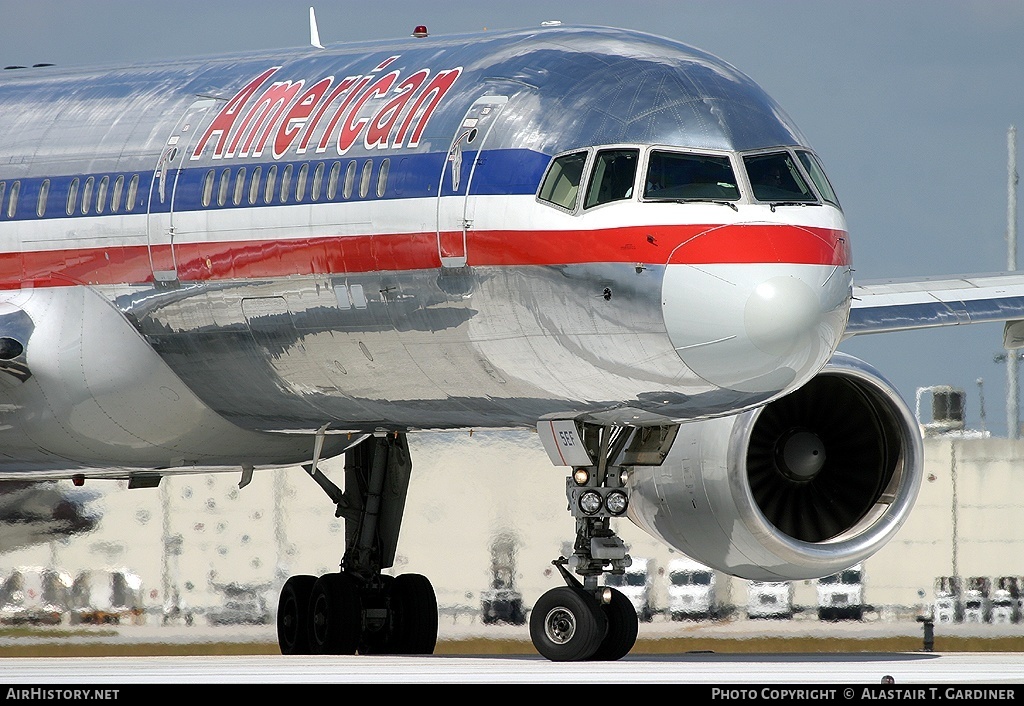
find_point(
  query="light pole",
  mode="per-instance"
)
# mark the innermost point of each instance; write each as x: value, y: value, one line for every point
x: 1012, y: 419
x: 1012, y: 411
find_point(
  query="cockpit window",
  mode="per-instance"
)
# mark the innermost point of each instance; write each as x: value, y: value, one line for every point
x: 613, y: 176
x: 675, y: 176
x: 813, y: 167
x: 562, y: 182
x: 776, y: 178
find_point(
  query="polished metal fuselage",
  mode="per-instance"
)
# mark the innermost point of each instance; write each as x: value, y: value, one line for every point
x: 433, y: 290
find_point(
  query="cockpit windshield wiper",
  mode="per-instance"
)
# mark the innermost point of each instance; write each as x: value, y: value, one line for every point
x: 730, y: 204
x: 773, y: 204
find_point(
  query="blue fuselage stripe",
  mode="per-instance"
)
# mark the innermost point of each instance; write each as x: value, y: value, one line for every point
x: 498, y: 172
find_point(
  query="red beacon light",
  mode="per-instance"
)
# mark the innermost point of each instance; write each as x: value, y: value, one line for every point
x: 420, y: 31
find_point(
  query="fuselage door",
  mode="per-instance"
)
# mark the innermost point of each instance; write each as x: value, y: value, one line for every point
x: 163, y: 188
x: 454, y: 212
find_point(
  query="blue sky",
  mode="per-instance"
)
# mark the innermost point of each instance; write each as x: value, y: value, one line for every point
x: 907, y: 102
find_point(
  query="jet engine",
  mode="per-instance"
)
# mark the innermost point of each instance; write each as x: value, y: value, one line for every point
x: 803, y: 487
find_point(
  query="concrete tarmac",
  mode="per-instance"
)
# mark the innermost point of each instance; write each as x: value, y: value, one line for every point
x: 465, y: 627
x: 528, y: 668
x: 707, y: 669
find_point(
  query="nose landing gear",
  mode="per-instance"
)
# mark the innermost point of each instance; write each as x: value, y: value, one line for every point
x: 583, y: 620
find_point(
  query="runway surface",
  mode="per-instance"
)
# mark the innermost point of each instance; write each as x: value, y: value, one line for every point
x: 947, y: 669
x: 720, y: 668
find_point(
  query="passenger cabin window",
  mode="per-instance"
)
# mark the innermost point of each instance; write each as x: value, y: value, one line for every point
x: 115, y: 196
x: 72, y: 196
x: 239, y: 192
x: 133, y: 192
x: 223, y: 187
x: 613, y: 177
x: 101, y: 194
x: 382, y: 178
x: 268, y: 189
x: 776, y: 178
x: 15, y: 187
x: 254, y: 186
x: 318, y: 180
x: 12, y: 204
x: 821, y: 182
x: 364, y: 178
x: 350, y: 180
x: 300, y: 182
x: 87, y: 195
x: 562, y: 182
x: 681, y: 176
x: 208, y: 188
x: 44, y: 191
x: 286, y: 182
x: 332, y: 180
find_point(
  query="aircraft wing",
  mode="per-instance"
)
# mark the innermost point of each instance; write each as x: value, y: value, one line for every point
x: 901, y: 305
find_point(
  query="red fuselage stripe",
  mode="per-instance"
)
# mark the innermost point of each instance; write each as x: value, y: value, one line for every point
x: 228, y: 260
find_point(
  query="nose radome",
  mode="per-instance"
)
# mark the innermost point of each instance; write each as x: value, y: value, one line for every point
x: 780, y: 313
x: 757, y: 326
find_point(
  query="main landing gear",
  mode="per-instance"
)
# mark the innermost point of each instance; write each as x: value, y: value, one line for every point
x: 359, y: 609
x: 583, y: 620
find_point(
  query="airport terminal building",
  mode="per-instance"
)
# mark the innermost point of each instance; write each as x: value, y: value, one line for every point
x: 488, y: 510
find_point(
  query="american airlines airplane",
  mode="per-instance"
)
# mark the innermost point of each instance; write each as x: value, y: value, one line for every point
x: 262, y: 260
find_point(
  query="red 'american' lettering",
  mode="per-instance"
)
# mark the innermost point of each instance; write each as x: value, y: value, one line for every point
x: 287, y: 114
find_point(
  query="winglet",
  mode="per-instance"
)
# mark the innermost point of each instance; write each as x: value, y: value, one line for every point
x: 314, y: 33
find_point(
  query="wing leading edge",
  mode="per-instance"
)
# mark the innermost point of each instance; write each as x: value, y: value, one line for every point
x: 901, y: 305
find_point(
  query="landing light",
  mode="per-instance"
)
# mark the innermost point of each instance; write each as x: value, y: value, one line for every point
x: 616, y: 502
x: 580, y: 476
x: 590, y: 502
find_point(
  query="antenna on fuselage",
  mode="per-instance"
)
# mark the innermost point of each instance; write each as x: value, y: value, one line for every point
x: 314, y: 33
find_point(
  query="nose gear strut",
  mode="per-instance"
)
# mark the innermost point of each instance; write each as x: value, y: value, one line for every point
x: 583, y: 620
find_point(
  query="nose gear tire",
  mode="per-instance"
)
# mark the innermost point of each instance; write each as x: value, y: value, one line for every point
x: 567, y: 626
x: 623, y: 627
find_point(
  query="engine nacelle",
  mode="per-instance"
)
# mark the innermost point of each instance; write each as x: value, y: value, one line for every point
x: 803, y: 487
